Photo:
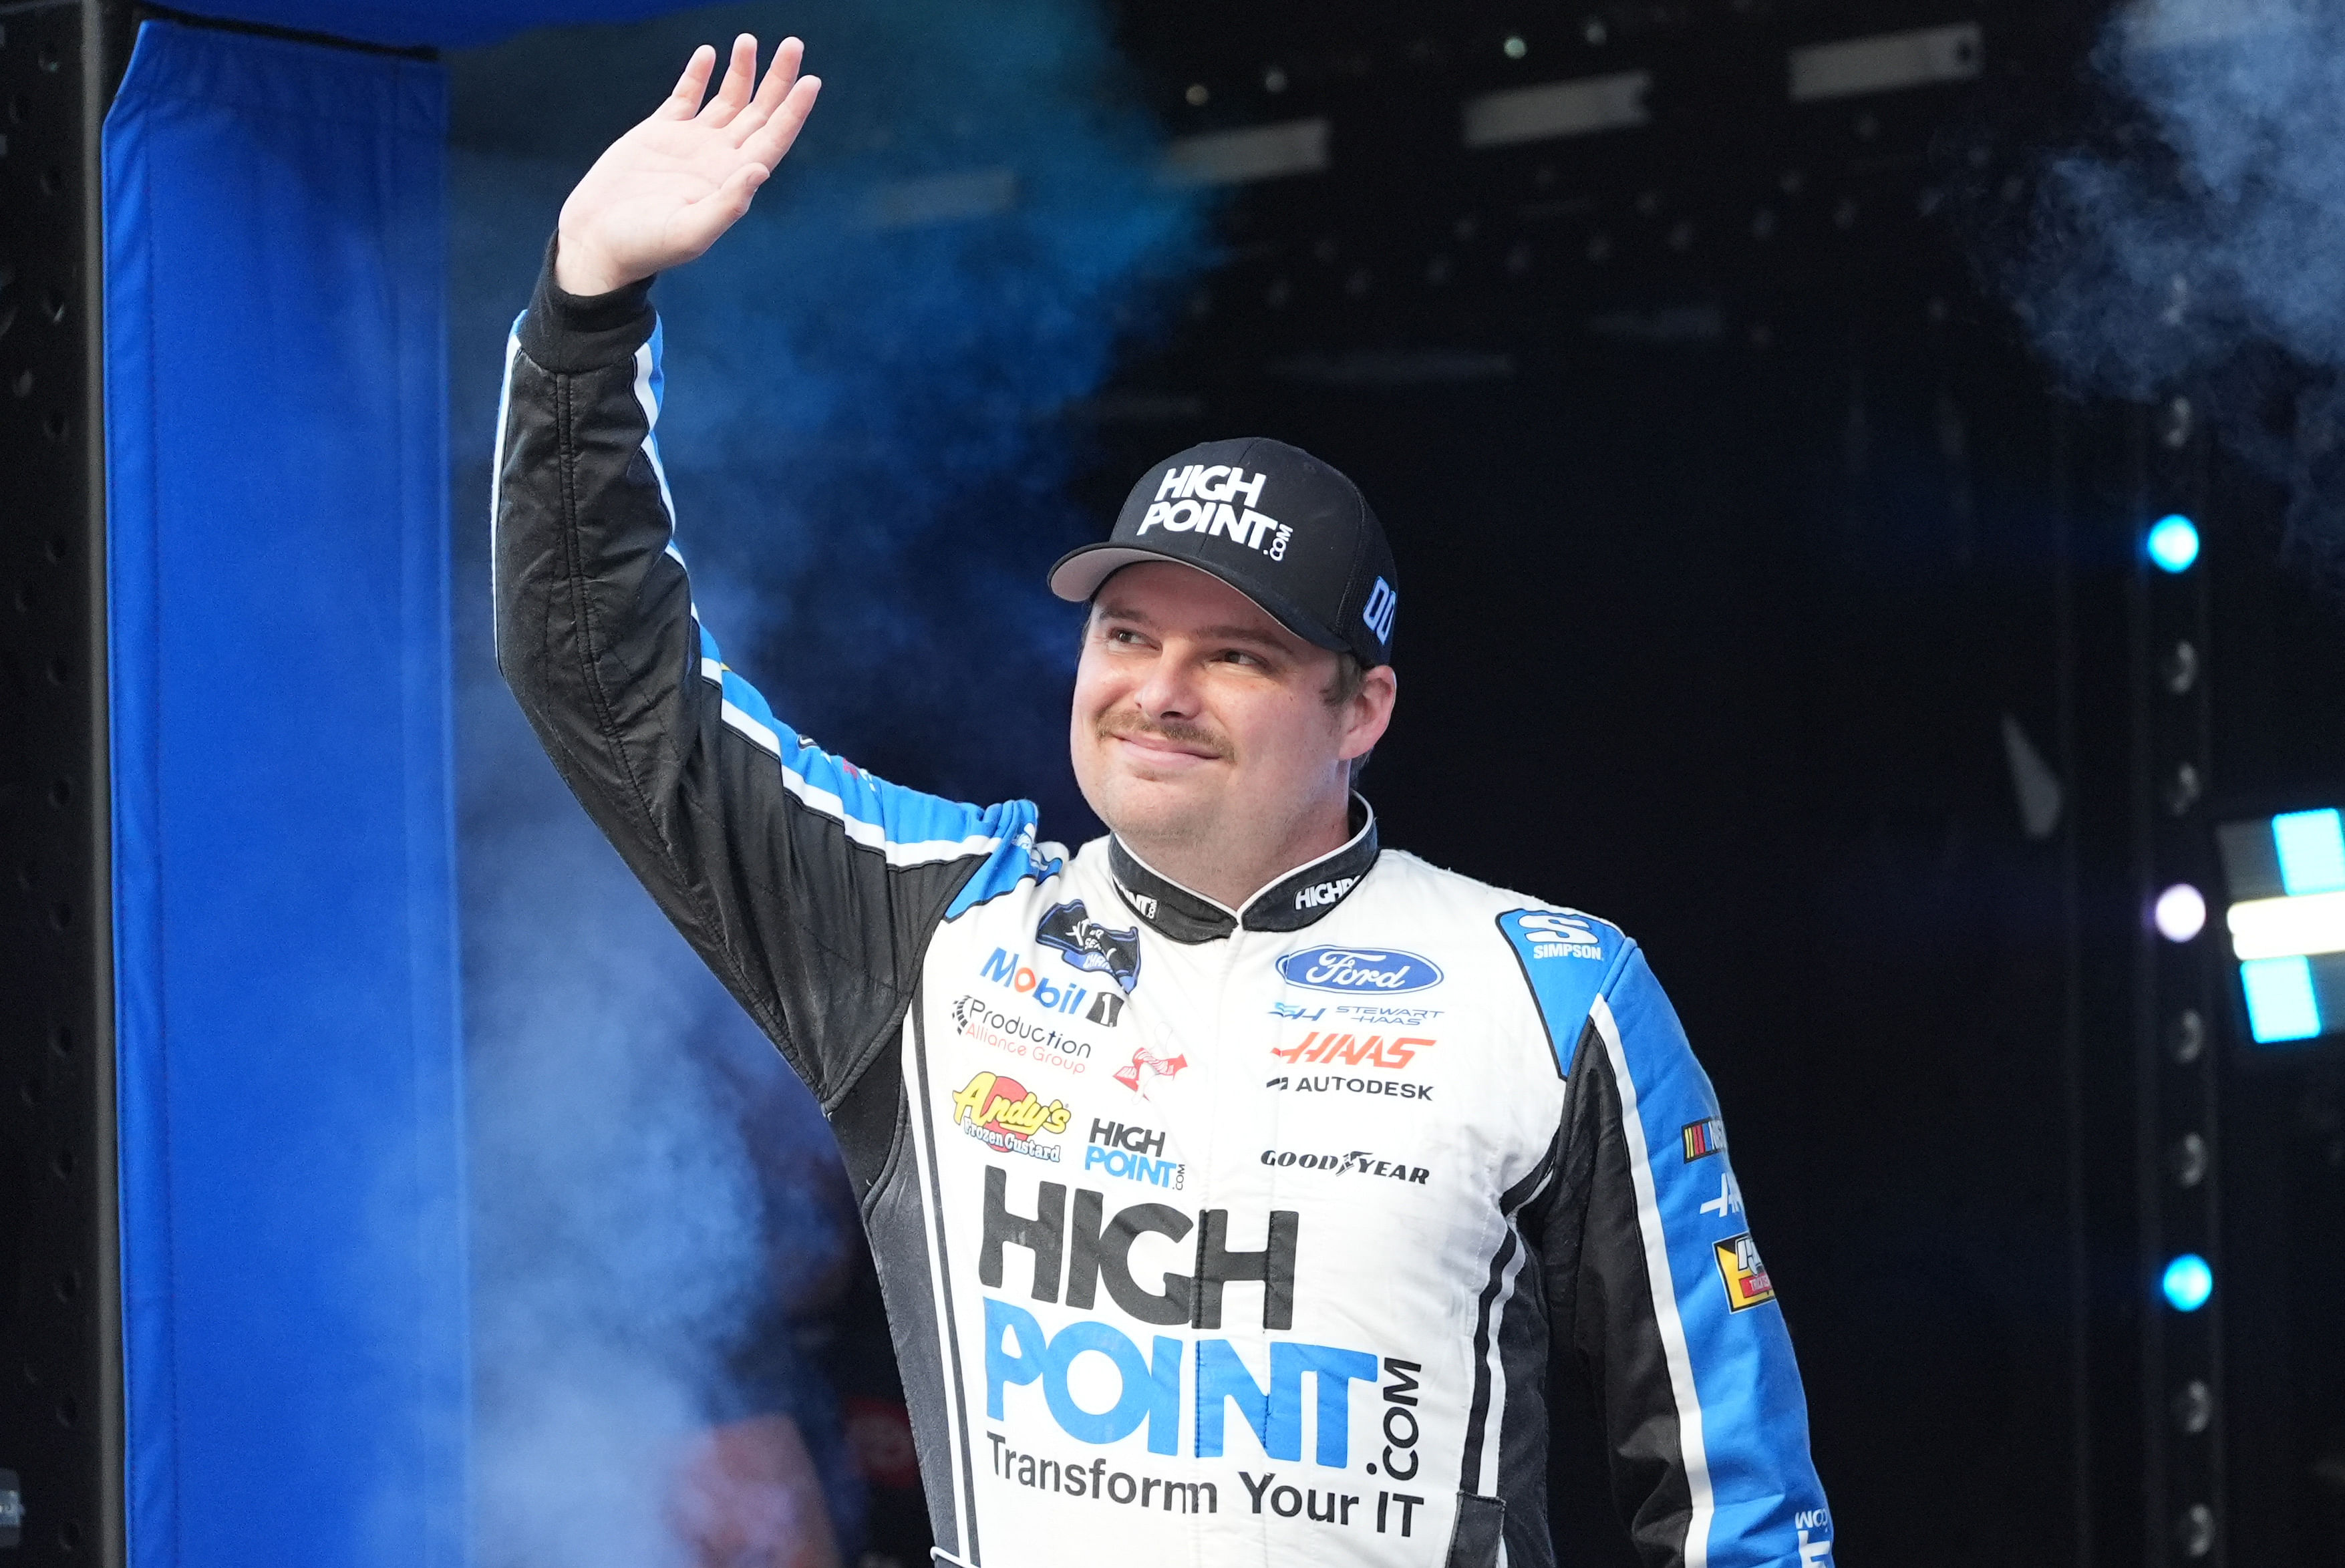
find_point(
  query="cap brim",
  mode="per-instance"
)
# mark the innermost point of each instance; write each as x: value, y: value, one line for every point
x: 1081, y: 571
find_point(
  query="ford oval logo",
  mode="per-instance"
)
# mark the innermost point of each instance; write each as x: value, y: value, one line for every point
x: 1377, y: 971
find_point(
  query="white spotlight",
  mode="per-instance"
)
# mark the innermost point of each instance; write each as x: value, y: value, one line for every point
x: 2180, y: 912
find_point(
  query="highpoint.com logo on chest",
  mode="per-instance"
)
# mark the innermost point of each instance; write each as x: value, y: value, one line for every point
x: 1188, y: 1396
x: 1200, y: 498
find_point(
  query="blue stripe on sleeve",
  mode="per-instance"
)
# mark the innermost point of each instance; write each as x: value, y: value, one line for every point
x: 912, y: 826
x: 1769, y: 1506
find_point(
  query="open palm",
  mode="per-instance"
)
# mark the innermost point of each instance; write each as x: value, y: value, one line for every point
x: 660, y: 194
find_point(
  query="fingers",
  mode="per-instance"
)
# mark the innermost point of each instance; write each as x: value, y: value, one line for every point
x: 684, y: 102
x: 740, y: 79
x: 739, y: 186
x: 773, y: 140
x: 781, y: 75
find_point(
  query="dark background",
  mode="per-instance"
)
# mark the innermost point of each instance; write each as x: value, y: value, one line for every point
x: 1747, y: 537
x: 1737, y: 519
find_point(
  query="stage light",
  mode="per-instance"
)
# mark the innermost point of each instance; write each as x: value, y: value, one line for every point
x: 2311, y: 850
x: 2281, y: 1002
x: 2173, y: 543
x: 2188, y: 1283
x: 1515, y: 46
x: 2286, y: 876
x: 2287, y: 928
x: 2180, y: 912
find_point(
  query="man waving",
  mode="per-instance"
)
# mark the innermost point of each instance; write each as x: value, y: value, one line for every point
x: 1234, y: 1179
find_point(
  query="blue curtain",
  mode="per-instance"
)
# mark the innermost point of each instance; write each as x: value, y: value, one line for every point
x: 290, y: 1058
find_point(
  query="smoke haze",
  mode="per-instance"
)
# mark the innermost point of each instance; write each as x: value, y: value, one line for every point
x: 862, y: 436
x: 2194, y: 251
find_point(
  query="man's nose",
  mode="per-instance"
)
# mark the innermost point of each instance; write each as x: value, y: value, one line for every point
x: 1169, y: 690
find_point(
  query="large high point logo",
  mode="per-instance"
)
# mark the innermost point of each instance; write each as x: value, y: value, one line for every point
x: 1360, y: 970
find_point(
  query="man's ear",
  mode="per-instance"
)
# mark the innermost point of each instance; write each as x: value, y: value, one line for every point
x: 1369, y: 713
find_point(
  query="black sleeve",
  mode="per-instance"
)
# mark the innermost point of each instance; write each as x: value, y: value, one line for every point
x: 809, y: 887
x: 1600, y: 1309
x: 1655, y: 1283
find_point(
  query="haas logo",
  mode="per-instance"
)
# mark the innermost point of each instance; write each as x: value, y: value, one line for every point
x: 1091, y: 946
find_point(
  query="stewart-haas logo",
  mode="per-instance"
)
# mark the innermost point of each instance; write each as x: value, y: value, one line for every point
x: 1091, y: 946
x: 1004, y: 1114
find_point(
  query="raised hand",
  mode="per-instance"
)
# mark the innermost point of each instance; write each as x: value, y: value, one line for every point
x: 660, y: 194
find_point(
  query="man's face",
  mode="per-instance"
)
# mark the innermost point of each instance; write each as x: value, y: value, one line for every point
x: 1200, y: 720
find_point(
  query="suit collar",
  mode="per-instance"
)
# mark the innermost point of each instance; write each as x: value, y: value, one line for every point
x: 1294, y: 901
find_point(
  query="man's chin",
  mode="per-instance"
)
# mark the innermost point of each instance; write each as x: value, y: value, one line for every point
x: 1141, y: 809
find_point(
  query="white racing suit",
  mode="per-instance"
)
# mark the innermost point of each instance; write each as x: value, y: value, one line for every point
x: 1209, y: 1237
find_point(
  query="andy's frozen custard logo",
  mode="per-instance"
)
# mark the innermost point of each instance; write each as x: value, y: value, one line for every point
x: 1004, y: 1114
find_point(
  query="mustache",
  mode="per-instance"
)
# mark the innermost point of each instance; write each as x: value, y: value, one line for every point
x: 1114, y: 726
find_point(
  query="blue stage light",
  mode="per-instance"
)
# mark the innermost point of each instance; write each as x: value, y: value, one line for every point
x: 2312, y: 849
x: 2281, y: 1002
x: 2173, y: 543
x: 2189, y: 1282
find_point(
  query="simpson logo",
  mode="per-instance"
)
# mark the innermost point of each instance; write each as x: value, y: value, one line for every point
x: 1359, y: 968
x: 1703, y: 1138
x: 1376, y: 615
x: 1145, y: 1064
x: 1561, y: 936
x: 1002, y: 1113
x: 1199, y: 498
x: 1358, y: 1162
x: 1091, y: 946
x: 1319, y: 895
x: 1351, y: 1051
x: 1745, y: 1276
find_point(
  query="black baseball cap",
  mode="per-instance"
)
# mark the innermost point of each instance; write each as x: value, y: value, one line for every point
x: 1273, y: 522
